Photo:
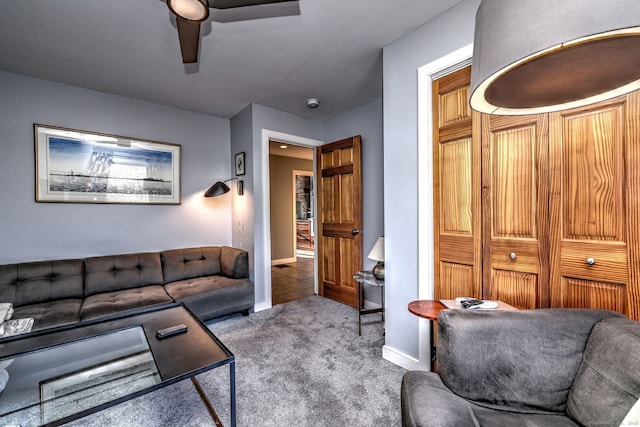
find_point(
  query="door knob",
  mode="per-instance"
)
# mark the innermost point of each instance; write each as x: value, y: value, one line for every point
x: 355, y: 231
x: 513, y: 255
x: 590, y: 261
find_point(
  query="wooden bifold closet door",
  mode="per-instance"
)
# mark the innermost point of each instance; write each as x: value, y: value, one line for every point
x: 515, y: 205
x: 457, y: 220
x: 594, y: 209
x: 537, y: 211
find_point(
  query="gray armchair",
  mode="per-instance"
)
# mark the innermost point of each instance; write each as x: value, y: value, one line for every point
x: 547, y: 367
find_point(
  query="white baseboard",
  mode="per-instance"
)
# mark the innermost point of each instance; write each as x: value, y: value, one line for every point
x: 283, y: 261
x: 261, y: 306
x: 398, y: 358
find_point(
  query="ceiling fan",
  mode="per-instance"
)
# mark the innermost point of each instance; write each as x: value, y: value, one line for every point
x: 190, y: 13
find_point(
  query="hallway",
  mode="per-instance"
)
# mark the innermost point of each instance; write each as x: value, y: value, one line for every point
x: 292, y: 281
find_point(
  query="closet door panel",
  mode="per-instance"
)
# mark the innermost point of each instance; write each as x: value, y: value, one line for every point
x: 455, y: 279
x: 519, y: 288
x: 587, y: 293
x: 589, y: 254
x: 515, y: 205
x: 457, y: 215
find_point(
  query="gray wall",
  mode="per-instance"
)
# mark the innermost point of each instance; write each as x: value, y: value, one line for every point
x: 251, y: 211
x: 281, y: 184
x: 31, y: 231
x: 437, y: 38
x: 367, y: 122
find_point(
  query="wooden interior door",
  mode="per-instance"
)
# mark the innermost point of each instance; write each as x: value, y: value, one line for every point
x: 456, y: 186
x: 594, y: 206
x: 339, y: 166
x: 515, y: 209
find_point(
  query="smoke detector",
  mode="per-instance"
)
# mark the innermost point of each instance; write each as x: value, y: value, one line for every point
x: 313, y: 103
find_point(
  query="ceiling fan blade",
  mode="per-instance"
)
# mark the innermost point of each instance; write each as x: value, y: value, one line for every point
x: 244, y: 10
x: 189, y: 34
x: 229, y: 4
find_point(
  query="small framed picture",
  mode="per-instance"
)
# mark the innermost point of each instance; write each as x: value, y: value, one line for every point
x: 240, y: 164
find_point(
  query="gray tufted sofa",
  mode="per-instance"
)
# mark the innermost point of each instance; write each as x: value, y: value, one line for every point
x: 212, y: 281
x: 547, y: 367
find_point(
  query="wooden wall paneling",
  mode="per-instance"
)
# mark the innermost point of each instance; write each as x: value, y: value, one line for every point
x: 515, y: 209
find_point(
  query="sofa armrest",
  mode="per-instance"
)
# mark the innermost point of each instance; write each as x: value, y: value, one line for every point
x: 234, y: 262
x: 514, y: 360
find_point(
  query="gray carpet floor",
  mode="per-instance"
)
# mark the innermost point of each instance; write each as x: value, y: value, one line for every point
x: 297, y: 364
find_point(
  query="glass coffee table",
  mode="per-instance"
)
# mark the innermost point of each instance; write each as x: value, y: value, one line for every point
x: 61, y: 374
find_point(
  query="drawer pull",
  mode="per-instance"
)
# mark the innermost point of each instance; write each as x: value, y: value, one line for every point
x: 513, y: 255
x: 591, y: 261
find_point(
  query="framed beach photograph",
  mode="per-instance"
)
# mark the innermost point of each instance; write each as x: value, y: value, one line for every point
x: 77, y: 166
x: 240, y: 164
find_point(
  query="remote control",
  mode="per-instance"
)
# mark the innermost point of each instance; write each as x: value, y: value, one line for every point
x: 471, y: 302
x: 170, y: 331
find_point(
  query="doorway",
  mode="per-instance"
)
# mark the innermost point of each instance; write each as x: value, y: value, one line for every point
x: 292, y: 214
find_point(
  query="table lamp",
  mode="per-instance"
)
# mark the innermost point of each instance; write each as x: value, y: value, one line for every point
x: 377, y: 254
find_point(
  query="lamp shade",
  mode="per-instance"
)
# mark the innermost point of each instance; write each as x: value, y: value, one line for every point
x: 217, y: 189
x: 535, y: 56
x: 192, y: 10
x: 377, y: 252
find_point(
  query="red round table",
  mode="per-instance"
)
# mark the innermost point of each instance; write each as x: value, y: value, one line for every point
x: 428, y: 309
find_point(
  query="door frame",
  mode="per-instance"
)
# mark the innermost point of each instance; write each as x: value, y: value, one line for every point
x: 312, y: 174
x: 262, y: 187
x: 426, y: 75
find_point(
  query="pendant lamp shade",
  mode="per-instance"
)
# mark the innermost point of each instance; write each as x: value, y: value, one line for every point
x: 535, y: 56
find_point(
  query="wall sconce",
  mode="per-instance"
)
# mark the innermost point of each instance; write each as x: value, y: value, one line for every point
x: 220, y: 188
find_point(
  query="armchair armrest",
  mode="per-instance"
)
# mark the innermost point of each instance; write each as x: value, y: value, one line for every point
x: 514, y: 360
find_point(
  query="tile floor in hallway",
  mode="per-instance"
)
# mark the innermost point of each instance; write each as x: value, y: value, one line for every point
x: 292, y: 282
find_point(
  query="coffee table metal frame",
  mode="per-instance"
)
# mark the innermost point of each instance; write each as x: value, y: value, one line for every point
x: 199, y: 350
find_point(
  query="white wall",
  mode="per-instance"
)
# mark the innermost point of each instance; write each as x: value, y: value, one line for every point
x: 31, y: 231
x: 444, y: 34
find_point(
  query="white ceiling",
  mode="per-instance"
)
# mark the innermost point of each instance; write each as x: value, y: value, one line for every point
x: 331, y: 51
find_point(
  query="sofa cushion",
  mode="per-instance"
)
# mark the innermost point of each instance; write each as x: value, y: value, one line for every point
x: 50, y: 314
x: 126, y: 299
x: 118, y: 272
x: 213, y: 296
x: 608, y: 382
x: 41, y: 282
x: 234, y: 262
x: 180, y: 264
x: 427, y: 402
x: 522, y: 361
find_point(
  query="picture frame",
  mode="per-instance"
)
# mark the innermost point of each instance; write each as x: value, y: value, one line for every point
x: 77, y: 166
x: 240, y: 164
